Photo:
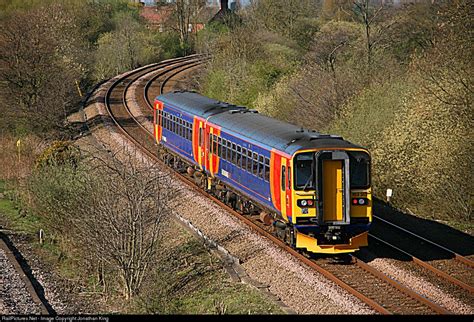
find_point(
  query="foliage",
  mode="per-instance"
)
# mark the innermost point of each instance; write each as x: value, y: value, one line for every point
x: 394, y: 79
x: 110, y: 210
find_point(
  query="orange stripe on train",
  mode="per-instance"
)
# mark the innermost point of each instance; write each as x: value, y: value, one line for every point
x: 275, y: 166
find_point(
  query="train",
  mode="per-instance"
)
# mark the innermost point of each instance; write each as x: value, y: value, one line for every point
x: 312, y: 190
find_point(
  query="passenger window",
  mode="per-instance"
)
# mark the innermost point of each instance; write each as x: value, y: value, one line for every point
x: 249, y: 161
x: 283, y: 170
x: 244, y: 158
x: 215, y: 144
x: 255, y: 163
x: 224, y: 149
x: 261, y: 167
x: 219, y: 147
x: 238, y: 162
x: 234, y: 154
x: 267, y: 169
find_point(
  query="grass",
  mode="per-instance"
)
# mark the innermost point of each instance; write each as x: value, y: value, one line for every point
x: 11, y: 216
x: 190, y: 280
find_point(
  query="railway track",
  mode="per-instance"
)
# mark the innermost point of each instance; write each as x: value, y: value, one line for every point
x: 449, y: 270
x: 374, y: 288
x: 19, y: 290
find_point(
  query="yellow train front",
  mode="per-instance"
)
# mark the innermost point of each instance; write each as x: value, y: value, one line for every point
x: 313, y: 188
x: 329, y: 205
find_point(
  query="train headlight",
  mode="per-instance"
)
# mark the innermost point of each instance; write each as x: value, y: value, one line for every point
x: 360, y: 201
x: 305, y: 203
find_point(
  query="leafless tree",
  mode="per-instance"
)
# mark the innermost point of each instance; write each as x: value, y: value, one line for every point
x: 184, y: 18
x: 112, y: 208
x: 123, y: 217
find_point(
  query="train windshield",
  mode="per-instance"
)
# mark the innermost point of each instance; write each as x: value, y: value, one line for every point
x: 304, y: 177
x: 359, y: 169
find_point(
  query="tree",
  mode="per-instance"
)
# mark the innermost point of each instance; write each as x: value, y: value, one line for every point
x: 370, y: 16
x: 125, y: 48
x: 184, y: 18
x: 110, y: 207
x: 40, y: 63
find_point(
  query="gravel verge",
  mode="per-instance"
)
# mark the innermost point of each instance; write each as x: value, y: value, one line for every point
x: 14, y: 296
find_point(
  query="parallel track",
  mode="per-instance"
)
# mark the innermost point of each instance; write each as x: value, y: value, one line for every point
x: 400, y: 301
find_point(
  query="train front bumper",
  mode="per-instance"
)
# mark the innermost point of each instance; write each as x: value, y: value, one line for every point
x: 311, y: 244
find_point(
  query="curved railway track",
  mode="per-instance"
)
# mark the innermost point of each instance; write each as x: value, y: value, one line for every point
x: 379, y: 291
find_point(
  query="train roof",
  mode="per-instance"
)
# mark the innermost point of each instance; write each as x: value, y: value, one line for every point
x: 246, y: 123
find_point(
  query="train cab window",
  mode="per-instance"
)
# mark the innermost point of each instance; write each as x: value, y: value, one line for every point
x: 359, y: 167
x: 283, y: 178
x: 303, y: 167
x: 267, y: 170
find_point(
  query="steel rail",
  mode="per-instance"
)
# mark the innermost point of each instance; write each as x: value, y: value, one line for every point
x: 435, y: 307
x: 9, y: 250
x: 427, y: 266
x: 187, y: 64
x: 456, y: 255
x: 162, y: 87
x: 153, y: 79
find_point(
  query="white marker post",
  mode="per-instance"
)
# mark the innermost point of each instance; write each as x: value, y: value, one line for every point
x: 389, y: 194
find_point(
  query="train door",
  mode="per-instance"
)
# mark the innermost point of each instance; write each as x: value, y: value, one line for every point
x: 201, y: 150
x: 333, y: 186
x: 288, y: 191
x: 332, y: 190
x: 285, y: 188
x: 283, y: 180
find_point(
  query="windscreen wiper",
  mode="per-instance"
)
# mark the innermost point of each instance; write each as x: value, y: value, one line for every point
x: 310, y: 177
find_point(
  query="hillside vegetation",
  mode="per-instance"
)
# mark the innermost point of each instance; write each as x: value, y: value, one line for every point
x: 395, y: 80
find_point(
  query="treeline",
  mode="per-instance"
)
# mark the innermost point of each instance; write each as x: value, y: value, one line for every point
x: 52, y: 52
x: 394, y: 79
